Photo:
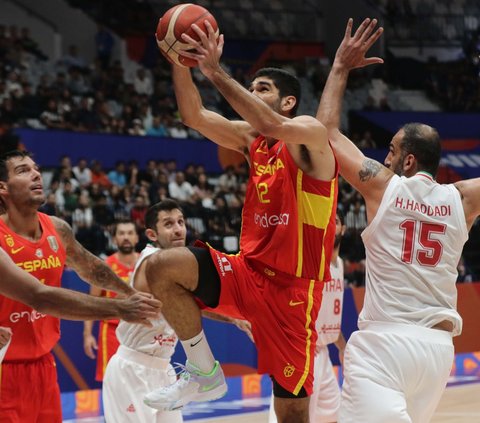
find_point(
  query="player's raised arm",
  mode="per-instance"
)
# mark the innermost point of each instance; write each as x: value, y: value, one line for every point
x: 230, y: 134
x: 470, y: 191
x: 255, y: 110
x: 368, y: 176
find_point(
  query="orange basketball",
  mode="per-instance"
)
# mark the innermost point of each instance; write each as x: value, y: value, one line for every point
x: 174, y: 23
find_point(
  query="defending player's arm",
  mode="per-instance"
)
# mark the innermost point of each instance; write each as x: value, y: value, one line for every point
x: 20, y: 286
x: 89, y: 267
x: 300, y: 130
x: 243, y: 325
x: 230, y: 134
x: 470, y: 192
x: 368, y: 176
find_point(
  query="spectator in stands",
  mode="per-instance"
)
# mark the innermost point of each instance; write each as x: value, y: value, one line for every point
x: 178, y: 130
x: 180, y: 189
x: 356, y: 217
x: 228, y: 180
x: 367, y: 141
x: 51, y: 118
x: 143, y: 83
x: 158, y: 129
x: 383, y: 105
x: 29, y: 44
x: 204, y: 191
x: 118, y: 175
x: 82, y: 173
x: 370, y: 104
x: 73, y: 60
x: 99, y: 177
x: 136, y: 128
x: 104, y: 43
x: 138, y: 211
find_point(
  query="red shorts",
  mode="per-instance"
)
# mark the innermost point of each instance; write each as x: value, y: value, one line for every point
x: 29, y: 391
x: 107, y: 346
x: 282, y: 309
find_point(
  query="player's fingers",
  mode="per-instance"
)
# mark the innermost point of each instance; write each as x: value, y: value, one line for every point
x: 361, y: 29
x: 210, y: 30
x: 191, y: 42
x: 368, y: 30
x: 348, y: 29
x: 373, y: 38
x: 203, y: 37
x: 373, y: 61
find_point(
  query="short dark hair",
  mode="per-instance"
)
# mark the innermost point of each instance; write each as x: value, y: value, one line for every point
x: 287, y: 84
x: 151, y: 218
x: 123, y: 221
x: 423, y: 142
x: 5, y: 157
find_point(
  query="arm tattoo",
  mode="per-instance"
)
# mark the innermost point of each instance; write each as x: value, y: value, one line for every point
x: 88, y: 266
x: 369, y: 170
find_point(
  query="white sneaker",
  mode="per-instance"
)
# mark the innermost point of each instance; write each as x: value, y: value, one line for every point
x: 191, y: 385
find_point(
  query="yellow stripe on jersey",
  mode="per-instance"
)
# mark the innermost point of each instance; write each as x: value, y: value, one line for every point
x: 308, y: 320
x: 104, y: 346
x: 314, y: 210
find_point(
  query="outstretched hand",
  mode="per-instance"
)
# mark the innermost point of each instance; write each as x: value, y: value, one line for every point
x: 139, y: 308
x: 352, y: 50
x: 207, y: 51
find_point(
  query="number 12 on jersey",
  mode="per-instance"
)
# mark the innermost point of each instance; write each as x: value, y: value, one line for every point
x: 418, y: 243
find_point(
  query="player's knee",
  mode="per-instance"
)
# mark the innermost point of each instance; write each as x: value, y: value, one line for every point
x: 168, y: 268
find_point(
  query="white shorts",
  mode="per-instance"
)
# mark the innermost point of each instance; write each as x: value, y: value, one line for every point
x: 128, y: 377
x: 395, y: 373
x: 325, y: 399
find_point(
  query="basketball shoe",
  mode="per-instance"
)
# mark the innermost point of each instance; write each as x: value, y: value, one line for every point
x: 191, y: 385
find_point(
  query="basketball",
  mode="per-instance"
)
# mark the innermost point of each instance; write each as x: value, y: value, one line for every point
x: 174, y: 23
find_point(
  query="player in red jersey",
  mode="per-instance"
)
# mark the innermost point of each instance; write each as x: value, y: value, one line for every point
x: 288, y: 228
x: 122, y: 263
x: 42, y: 246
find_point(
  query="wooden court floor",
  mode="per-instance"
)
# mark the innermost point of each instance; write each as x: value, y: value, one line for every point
x: 459, y: 404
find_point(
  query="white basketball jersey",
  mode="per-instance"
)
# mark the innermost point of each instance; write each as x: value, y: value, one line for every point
x: 413, y: 246
x: 329, y: 318
x: 158, y: 340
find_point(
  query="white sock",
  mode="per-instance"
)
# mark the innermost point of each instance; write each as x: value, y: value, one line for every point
x: 199, y: 353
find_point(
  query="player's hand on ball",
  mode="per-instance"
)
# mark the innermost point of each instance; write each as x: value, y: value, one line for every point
x: 207, y: 51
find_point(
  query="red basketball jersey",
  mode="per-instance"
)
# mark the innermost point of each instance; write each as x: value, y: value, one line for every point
x: 34, y: 333
x: 122, y: 271
x: 288, y: 220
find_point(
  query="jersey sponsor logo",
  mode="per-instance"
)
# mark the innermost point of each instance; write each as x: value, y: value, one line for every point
x: 16, y: 250
x: 265, y: 221
x: 131, y: 409
x: 224, y: 265
x: 426, y: 209
x: 51, y: 262
x: 164, y: 341
x: 39, y: 253
x: 295, y: 303
x: 269, y: 168
x: 334, y: 328
x: 29, y: 316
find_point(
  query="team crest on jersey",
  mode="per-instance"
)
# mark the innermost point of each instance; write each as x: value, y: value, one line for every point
x: 288, y: 370
x: 39, y: 253
x: 52, y: 241
x: 9, y: 240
